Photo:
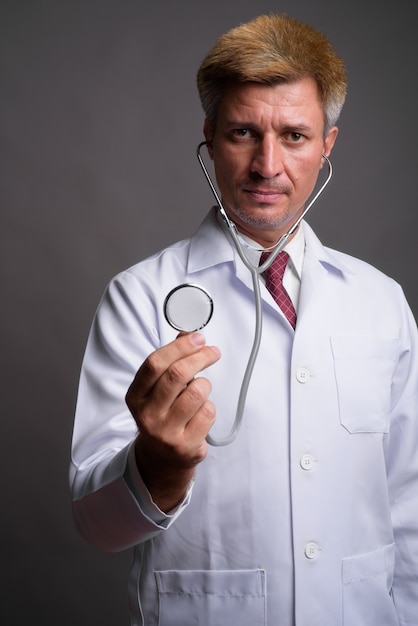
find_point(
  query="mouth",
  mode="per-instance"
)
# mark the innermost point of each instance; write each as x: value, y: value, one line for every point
x: 264, y: 196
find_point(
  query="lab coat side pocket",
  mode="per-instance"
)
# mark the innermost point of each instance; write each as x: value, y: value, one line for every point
x: 367, y: 588
x: 211, y: 598
x: 364, y: 367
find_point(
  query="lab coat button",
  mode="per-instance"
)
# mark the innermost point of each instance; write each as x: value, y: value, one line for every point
x: 307, y: 462
x: 303, y: 375
x: 312, y: 550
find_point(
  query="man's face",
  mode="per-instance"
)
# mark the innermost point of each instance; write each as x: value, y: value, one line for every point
x: 267, y: 152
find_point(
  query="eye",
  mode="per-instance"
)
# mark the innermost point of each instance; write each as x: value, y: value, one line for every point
x: 241, y: 133
x: 295, y: 137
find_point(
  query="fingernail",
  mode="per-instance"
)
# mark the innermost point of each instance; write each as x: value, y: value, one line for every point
x: 197, y: 339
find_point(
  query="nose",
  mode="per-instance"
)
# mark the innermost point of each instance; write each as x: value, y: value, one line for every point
x: 268, y: 158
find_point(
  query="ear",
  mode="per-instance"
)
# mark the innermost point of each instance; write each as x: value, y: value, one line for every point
x: 207, y: 131
x: 330, y: 140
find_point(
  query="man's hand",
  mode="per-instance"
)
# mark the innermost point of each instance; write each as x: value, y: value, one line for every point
x: 174, y: 415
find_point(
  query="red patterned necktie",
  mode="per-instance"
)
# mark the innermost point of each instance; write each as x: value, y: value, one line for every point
x: 274, y: 283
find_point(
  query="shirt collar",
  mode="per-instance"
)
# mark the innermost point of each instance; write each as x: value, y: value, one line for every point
x: 295, y: 248
x: 211, y: 245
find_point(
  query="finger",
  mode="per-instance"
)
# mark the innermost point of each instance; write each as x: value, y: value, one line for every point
x: 191, y: 433
x: 158, y: 362
x: 189, y: 401
x: 188, y: 423
x: 180, y: 437
x: 178, y: 377
x: 155, y: 403
x: 197, y: 428
x: 176, y: 396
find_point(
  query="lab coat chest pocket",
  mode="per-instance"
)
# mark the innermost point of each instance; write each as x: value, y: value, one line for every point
x: 364, y: 367
x: 211, y: 598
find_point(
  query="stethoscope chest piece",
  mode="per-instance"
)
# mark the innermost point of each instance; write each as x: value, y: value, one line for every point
x: 188, y: 308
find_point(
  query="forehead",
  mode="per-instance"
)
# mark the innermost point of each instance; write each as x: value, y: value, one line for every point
x: 282, y: 101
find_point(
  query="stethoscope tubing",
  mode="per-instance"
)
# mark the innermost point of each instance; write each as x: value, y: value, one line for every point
x: 255, y: 271
x: 233, y: 230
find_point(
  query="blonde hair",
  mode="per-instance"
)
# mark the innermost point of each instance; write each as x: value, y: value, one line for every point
x: 273, y: 49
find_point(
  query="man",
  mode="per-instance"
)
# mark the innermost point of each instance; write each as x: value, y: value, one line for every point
x: 310, y: 516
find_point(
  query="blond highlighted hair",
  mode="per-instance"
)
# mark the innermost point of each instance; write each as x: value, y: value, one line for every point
x: 273, y: 49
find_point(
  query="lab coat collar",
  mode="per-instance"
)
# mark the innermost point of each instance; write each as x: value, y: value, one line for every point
x: 211, y: 245
x: 330, y: 259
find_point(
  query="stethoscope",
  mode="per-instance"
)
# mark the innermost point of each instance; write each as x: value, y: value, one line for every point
x: 189, y: 307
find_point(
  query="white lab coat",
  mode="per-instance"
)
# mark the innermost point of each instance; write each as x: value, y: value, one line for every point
x: 310, y: 518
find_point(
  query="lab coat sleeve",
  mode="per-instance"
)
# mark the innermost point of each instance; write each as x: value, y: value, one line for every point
x: 402, y: 471
x: 112, y: 508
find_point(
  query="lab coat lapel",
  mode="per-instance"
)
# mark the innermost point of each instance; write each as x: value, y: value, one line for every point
x: 212, y: 245
x: 313, y: 276
x: 209, y: 246
x: 318, y: 262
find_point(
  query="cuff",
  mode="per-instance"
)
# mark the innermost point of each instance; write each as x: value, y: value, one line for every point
x: 142, y: 495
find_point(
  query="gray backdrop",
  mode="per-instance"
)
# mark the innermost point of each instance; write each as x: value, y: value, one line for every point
x: 99, y: 122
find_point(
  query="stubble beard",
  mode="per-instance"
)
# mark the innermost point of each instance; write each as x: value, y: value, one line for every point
x: 262, y: 220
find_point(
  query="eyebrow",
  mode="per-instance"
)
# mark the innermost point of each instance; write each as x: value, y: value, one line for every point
x: 293, y: 127
x: 297, y: 127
